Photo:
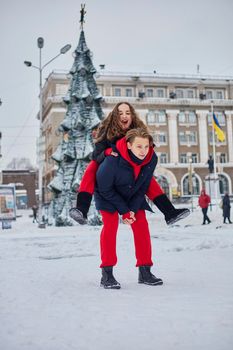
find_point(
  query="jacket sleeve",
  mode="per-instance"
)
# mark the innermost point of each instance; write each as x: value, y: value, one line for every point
x: 136, y: 201
x: 105, y: 178
x: 98, y: 153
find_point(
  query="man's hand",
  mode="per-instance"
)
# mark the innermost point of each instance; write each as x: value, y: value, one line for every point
x: 129, y: 218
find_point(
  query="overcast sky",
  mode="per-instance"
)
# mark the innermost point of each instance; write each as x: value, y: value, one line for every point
x: 126, y: 35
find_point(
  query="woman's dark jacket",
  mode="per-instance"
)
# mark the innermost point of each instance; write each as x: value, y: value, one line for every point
x: 226, y: 206
x: 118, y: 188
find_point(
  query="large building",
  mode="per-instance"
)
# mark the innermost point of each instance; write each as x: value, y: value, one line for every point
x: 177, y: 110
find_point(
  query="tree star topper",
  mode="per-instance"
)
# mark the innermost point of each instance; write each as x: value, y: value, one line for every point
x: 83, y: 12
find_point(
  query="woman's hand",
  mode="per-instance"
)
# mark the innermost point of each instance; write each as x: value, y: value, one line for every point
x: 114, y: 154
x: 110, y: 152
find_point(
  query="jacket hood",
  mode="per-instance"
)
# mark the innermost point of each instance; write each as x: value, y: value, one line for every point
x: 122, y: 148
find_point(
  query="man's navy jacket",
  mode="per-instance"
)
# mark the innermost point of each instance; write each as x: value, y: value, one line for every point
x: 121, y: 184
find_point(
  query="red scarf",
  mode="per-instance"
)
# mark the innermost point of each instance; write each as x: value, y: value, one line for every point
x: 121, y: 146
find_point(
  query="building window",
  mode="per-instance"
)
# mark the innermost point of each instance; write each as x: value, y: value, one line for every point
x: 221, y: 119
x: 160, y: 93
x: 209, y: 94
x: 156, y: 117
x: 117, y: 92
x: 194, y: 158
x: 192, y: 137
x: 128, y: 92
x: 223, y: 158
x: 163, y: 158
x: 217, y: 142
x: 195, y: 185
x: 192, y: 118
x: 223, y: 184
x: 220, y: 116
x: 182, y: 137
x: 149, y: 92
x: 150, y: 118
x: 219, y: 95
x: 182, y: 118
x: 179, y: 93
x: 163, y: 182
x: 188, y: 137
x: 190, y: 94
x: 211, y: 137
x: 183, y: 158
x: 188, y: 117
x: 160, y: 138
x: 61, y: 89
x: 160, y: 117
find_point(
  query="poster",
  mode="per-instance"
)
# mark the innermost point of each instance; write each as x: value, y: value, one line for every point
x: 7, y: 202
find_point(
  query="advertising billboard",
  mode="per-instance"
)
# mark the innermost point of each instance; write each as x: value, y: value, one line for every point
x: 7, y: 202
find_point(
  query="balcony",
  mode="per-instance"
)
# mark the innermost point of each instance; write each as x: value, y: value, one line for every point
x: 168, y: 101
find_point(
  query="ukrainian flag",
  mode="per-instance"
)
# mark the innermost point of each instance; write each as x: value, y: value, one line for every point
x: 219, y: 132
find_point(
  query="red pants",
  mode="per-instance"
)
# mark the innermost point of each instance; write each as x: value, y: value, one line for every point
x: 88, y: 182
x: 108, y: 236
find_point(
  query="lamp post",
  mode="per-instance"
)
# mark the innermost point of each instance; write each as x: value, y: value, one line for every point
x: 1, y: 176
x: 0, y: 150
x: 63, y: 50
x: 191, y: 181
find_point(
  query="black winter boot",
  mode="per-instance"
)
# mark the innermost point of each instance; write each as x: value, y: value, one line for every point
x: 171, y: 214
x: 146, y: 277
x: 108, y: 280
x: 83, y: 204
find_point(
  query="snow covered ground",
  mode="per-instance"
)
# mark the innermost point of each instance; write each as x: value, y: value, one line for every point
x: 50, y: 297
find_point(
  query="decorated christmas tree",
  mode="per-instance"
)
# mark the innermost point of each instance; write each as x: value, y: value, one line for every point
x: 83, y: 115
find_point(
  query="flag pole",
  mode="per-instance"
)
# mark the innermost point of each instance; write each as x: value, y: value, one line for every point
x: 214, y: 153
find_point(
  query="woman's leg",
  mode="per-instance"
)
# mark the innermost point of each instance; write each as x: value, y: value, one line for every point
x: 88, y: 180
x: 108, y: 238
x: 84, y: 197
x: 142, y: 240
x: 163, y: 203
x: 154, y: 189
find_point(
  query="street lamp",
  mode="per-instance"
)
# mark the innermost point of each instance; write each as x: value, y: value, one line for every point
x: 1, y: 176
x: 64, y: 49
x: 0, y: 150
x: 191, y: 180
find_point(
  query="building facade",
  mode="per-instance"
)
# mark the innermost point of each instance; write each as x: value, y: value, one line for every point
x: 177, y: 110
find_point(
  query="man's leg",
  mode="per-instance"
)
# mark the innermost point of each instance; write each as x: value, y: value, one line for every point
x: 108, y: 238
x: 108, y: 250
x: 142, y: 241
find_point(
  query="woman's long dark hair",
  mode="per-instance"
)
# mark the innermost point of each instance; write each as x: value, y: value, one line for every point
x: 110, y: 127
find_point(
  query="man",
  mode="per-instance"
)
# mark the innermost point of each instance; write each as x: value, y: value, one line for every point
x: 204, y: 201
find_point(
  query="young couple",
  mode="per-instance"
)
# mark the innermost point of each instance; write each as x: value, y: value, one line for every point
x: 121, y: 174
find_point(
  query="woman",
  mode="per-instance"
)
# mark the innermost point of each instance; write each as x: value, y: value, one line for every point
x: 122, y: 118
x: 226, y: 208
x: 122, y: 183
